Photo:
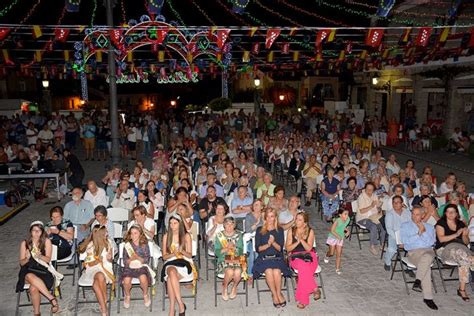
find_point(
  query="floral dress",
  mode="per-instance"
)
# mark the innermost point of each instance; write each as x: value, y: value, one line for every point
x: 143, y: 251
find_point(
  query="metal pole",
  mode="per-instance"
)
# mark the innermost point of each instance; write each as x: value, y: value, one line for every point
x: 113, y: 111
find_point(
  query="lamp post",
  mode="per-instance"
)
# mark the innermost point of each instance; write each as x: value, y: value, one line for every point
x: 256, y: 97
x: 113, y: 111
x: 46, y: 101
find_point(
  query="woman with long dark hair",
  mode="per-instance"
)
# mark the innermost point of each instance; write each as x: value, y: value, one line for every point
x: 35, y: 257
x: 177, y: 254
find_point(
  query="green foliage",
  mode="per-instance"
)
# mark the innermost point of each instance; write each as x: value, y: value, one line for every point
x: 220, y: 104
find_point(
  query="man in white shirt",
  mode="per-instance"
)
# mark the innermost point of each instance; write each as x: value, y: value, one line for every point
x: 456, y: 140
x: 132, y: 140
x: 45, y: 135
x: 96, y: 195
x: 124, y: 197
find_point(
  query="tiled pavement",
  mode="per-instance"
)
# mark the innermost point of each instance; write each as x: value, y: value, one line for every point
x: 363, y: 288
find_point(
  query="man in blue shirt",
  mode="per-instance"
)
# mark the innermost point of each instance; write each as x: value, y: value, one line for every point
x: 80, y: 212
x: 418, y: 239
x: 393, y: 220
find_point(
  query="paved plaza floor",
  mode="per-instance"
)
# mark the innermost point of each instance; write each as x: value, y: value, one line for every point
x: 364, y: 288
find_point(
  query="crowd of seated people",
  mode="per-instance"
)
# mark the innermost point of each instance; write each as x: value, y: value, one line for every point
x: 210, y: 175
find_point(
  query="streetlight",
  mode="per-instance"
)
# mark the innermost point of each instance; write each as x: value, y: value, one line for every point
x: 282, y: 97
x: 173, y: 102
x: 256, y: 82
x: 151, y: 105
x: 45, y: 84
x: 82, y: 102
x: 299, y: 109
x: 375, y: 80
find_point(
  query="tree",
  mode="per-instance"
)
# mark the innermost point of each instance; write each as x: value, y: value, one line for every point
x: 220, y: 104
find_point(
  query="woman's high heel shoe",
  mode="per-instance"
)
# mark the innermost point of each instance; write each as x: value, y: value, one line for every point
x: 184, y: 312
x: 54, y: 305
x: 464, y: 297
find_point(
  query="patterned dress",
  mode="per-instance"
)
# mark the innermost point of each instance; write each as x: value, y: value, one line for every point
x: 143, y: 251
x: 221, y: 241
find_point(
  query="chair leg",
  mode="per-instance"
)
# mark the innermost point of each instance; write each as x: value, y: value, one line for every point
x: 322, y: 285
x: 440, y: 274
x: 195, y: 297
x: 119, y: 297
x: 164, y: 296
x: 404, y: 278
x: 246, y: 293
x: 258, y: 291
x: 397, y: 259
x: 287, y: 289
x: 111, y: 294
x: 17, y: 311
x: 383, y: 248
x: 215, y: 290
x: 434, y: 284
x: 358, y: 237
x: 77, y: 300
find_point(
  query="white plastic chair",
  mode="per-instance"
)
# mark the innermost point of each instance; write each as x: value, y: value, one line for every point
x: 117, y: 214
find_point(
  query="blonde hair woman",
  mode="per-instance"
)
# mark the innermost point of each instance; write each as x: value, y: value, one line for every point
x: 98, y: 264
x: 269, y: 243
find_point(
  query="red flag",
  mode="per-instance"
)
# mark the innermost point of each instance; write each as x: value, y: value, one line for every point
x: 349, y: 47
x: 222, y: 36
x: 423, y: 36
x: 115, y: 37
x: 320, y: 37
x: 3, y: 33
x: 286, y: 48
x: 272, y: 35
x: 471, y: 42
x: 61, y: 35
x: 374, y: 37
x: 255, y: 48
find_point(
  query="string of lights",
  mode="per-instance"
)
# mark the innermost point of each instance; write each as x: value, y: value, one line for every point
x: 94, y: 9
x: 8, y: 8
x: 320, y: 17
x: 176, y: 14
x: 124, y: 13
x: 278, y: 14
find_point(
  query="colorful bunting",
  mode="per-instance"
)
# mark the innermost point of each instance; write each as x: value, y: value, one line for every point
x: 252, y: 31
x: 272, y: 35
x: 255, y: 48
x: 3, y: 33
x: 285, y: 50
x: 6, y: 57
x: 405, y: 35
x: 374, y: 37
x: 38, y: 56
x: 161, y: 56
x: 222, y: 36
x: 37, y: 32
x: 66, y: 55
x: 98, y: 56
x: 443, y: 37
x: 61, y: 35
x: 423, y: 37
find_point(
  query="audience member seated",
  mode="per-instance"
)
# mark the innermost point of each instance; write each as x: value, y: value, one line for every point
x: 452, y: 238
x: 100, y: 215
x: 369, y: 215
x: 425, y: 190
x: 211, y: 181
x: 60, y: 232
x: 418, y: 239
x: 311, y: 171
x: 124, y: 196
x: 178, y: 263
x: 36, y: 269
x: 231, y: 262
x: 81, y: 213
x: 287, y: 218
x: 136, y: 255
x: 215, y: 225
x: 241, y: 205
x: 393, y: 220
x: 98, y: 264
x: 96, y: 195
x: 299, y: 244
x: 278, y: 202
x: 430, y: 213
x: 266, y: 189
x: 330, y: 187
x: 207, y: 206
x: 350, y: 194
x: 143, y: 200
x: 253, y: 220
x: 269, y: 243
x: 454, y: 200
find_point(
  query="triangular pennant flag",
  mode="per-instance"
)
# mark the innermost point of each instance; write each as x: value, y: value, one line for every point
x: 3, y: 33
x: 320, y: 37
x: 342, y: 55
x: 98, y: 56
x: 374, y: 37
x: 161, y: 56
x: 405, y: 35
x: 246, y: 56
x: 443, y: 37
x: 270, y: 57
x: 255, y: 48
x: 285, y: 50
x: 37, y: 33
x: 332, y: 35
x: 61, y: 35
x: 423, y: 36
x: 296, y: 55
x: 189, y: 57
x: 38, y: 56
x: 252, y: 31
x: 272, y: 35
x: 222, y: 36
x: 6, y: 57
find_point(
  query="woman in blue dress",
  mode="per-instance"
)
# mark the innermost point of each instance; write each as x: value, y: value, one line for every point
x: 269, y: 243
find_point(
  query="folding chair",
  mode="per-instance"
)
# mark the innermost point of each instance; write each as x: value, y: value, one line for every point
x: 405, y: 264
x: 72, y: 259
x: 118, y: 215
x: 135, y: 281
x: 195, y: 243
x: 185, y: 282
x: 285, y: 286
x: 209, y: 256
x: 118, y: 231
x: 445, y: 265
x: 359, y: 229
x: 26, y: 287
x: 84, y: 285
x: 220, y: 276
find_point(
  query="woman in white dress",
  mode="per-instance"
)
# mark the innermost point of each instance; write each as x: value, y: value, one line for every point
x: 177, y: 254
x: 98, y: 264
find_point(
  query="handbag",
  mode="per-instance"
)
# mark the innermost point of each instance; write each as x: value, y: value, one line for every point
x: 36, y: 268
x: 305, y: 256
x: 375, y: 218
